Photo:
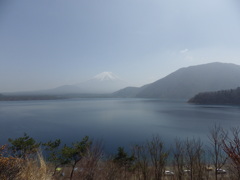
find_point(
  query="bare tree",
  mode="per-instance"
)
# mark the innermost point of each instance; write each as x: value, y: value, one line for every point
x: 142, y: 162
x: 110, y: 170
x: 158, y: 156
x: 232, y: 147
x: 200, y: 160
x: 219, y: 157
x: 90, y: 162
x: 179, y: 158
x: 195, y: 158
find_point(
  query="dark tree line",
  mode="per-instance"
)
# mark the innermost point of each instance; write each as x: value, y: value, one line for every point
x: 231, y: 96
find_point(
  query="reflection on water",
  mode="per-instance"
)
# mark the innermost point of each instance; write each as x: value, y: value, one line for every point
x: 118, y: 122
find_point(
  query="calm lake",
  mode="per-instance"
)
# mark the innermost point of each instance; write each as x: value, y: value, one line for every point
x: 118, y: 122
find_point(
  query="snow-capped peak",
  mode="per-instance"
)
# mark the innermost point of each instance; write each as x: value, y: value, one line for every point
x: 106, y: 76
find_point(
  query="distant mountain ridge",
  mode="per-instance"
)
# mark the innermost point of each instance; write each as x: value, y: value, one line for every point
x: 187, y: 82
x: 103, y: 83
x: 181, y: 84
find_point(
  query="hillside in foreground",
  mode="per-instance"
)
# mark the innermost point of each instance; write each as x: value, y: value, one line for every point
x: 231, y: 97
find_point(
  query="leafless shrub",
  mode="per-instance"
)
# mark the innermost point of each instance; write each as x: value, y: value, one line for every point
x: 110, y: 171
x: 89, y: 165
x: 158, y: 156
x: 10, y: 167
x: 142, y: 161
x: 195, y: 158
x: 179, y: 159
x: 218, y: 156
x: 231, y: 145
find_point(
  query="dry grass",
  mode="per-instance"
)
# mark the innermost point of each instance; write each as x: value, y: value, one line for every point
x: 12, y: 168
x: 89, y: 168
x: 35, y: 169
x: 38, y: 169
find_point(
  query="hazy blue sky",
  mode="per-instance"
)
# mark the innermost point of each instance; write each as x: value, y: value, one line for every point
x: 48, y: 43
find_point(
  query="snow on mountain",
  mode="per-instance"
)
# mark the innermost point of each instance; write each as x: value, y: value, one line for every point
x: 105, y: 82
x: 105, y: 76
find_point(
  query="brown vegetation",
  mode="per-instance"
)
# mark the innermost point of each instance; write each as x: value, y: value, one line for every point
x: 187, y: 160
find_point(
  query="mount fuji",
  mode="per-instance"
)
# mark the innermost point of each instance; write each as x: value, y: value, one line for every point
x: 105, y: 82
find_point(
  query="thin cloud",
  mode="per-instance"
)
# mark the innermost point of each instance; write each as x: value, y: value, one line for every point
x: 184, y: 51
x: 189, y: 58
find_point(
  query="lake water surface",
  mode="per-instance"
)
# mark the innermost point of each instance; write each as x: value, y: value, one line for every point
x: 118, y: 122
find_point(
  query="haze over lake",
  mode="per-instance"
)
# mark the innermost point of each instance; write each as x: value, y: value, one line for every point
x: 118, y: 122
